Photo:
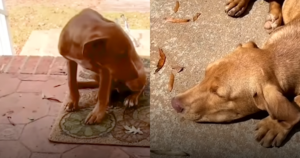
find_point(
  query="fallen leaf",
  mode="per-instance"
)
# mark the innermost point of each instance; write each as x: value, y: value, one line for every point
x: 31, y: 119
x: 178, y: 68
x: 133, y: 130
x: 176, y: 7
x: 4, y: 114
x: 161, y: 61
x: 177, y: 20
x: 170, y: 152
x: 59, y: 85
x: 195, y: 17
x: 8, y: 118
x: 51, y: 98
x: 171, y: 81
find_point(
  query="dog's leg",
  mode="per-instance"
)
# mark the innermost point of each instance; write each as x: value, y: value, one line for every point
x: 72, y: 103
x: 99, y: 111
x: 137, y: 88
x: 236, y: 8
x: 283, y: 116
x: 274, y: 18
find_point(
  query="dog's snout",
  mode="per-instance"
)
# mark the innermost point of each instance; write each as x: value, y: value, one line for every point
x: 176, y: 104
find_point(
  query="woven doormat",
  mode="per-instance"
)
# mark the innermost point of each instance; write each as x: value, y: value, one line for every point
x: 121, y: 125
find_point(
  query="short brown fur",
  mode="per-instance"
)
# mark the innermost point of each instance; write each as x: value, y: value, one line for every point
x: 252, y: 79
x: 101, y: 46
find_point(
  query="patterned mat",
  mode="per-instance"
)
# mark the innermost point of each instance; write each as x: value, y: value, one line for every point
x: 121, y: 125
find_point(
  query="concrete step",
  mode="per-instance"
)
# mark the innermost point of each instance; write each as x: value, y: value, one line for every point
x: 45, y: 42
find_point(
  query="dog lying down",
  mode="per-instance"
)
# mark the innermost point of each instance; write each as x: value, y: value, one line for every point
x: 252, y: 79
x: 100, y: 45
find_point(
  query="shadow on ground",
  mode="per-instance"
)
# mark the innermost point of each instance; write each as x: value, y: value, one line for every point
x: 194, y: 45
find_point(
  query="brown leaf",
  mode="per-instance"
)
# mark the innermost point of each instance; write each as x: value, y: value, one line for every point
x: 178, y: 68
x: 171, y: 81
x: 195, y: 17
x: 52, y: 99
x: 59, y: 85
x: 161, y: 61
x: 176, y: 7
x: 8, y: 118
x: 177, y: 20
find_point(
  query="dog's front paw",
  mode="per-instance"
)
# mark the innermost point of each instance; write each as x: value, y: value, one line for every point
x: 273, y: 21
x: 132, y: 100
x: 71, y: 105
x: 236, y: 7
x: 95, y: 116
x: 270, y: 132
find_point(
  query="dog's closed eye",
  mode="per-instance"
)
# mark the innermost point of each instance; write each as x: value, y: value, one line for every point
x: 217, y: 91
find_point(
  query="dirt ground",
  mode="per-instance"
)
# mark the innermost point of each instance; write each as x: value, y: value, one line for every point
x: 29, y: 15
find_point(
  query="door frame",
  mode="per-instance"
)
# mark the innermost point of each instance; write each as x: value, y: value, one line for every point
x: 6, y: 47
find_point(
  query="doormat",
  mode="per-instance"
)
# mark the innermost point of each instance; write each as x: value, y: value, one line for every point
x: 121, y: 125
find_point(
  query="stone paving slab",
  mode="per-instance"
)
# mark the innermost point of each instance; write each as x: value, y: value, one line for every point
x: 26, y: 118
x: 45, y: 43
x: 194, y: 46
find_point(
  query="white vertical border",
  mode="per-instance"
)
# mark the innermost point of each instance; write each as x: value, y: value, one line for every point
x: 5, y: 36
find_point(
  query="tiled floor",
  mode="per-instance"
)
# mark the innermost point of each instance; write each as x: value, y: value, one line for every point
x: 26, y: 118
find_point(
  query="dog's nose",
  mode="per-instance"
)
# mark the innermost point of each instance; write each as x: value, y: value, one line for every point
x: 176, y: 104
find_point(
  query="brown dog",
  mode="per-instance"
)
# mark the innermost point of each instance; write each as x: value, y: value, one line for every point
x: 236, y: 8
x: 101, y: 46
x: 251, y: 79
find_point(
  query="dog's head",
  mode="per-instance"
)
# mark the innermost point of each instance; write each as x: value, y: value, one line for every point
x: 115, y: 51
x: 226, y: 92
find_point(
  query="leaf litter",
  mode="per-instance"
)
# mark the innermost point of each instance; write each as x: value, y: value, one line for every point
x: 171, y: 81
x: 51, y: 99
x: 178, y: 68
x: 196, y: 16
x: 161, y: 60
x: 177, y: 20
x: 177, y: 5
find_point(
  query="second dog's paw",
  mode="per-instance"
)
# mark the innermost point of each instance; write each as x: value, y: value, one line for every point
x: 273, y: 21
x: 270, y: 132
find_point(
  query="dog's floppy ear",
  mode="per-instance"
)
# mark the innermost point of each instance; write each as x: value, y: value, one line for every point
x: 94, y: 47
x: 270, y: 98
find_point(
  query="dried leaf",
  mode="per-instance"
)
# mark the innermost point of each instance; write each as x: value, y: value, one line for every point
x: 51, y: 98
x: 161, y: 61
x: 178, y: 68
x: 170, y: 152
x: 8, y: 118
x: 176, y: 7
x: 171, y: 81
x: 195, y: 17
x: 133, y: 130
x: 177, y: 20
x: 59, y: 85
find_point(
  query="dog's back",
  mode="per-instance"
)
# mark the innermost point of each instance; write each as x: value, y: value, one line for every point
x: 284, y: 43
